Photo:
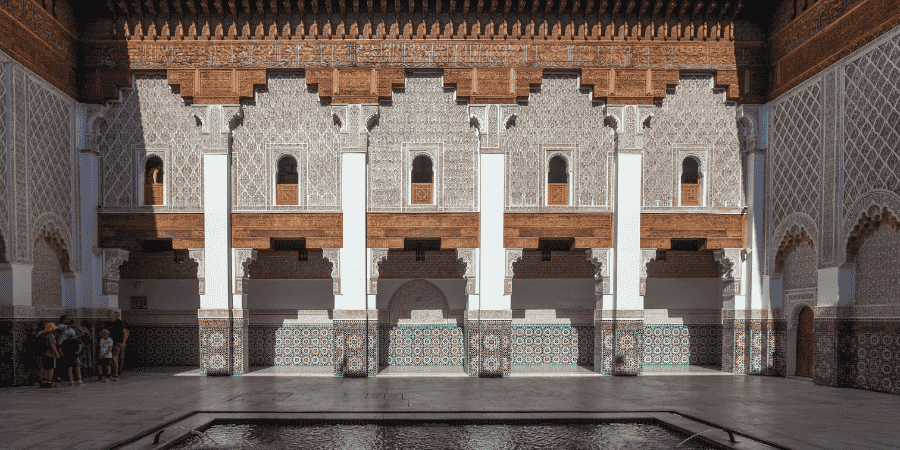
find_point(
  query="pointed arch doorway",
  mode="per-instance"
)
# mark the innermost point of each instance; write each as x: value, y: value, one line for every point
x: 805, y: 342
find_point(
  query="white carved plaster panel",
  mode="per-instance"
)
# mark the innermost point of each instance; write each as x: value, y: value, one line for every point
x: 284, y: 115
x: 378, y: 255
x: 333, y: 255
x: 561, y: 114
x: 4, y: 192
x: 150, y: 115
x: 423, y: 112
x: 693, y: 116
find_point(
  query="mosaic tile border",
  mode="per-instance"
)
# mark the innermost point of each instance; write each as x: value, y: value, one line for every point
x: 683, y: 344
x: 621, y: 346
x: 351, y: 348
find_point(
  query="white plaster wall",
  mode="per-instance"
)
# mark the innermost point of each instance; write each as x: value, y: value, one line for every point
x: 575, y: 293
x: 161, y: 294
x: 290, y: 294
x: 493, y: 254
x: 215, y: 229
x: 353, y: 254
x: 683, y: 293
x: 453, y: 290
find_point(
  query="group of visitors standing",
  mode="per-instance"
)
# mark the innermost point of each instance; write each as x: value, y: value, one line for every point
x: 66, y: 347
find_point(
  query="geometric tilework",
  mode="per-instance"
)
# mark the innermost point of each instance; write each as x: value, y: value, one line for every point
x: 858, y: 353
x: 488, y: 346
x: 754, y: 347
x: 163, y: 345
x: 290, y: 345
x: 683, y: 344
x: 213, y: 346
x: 351, y: 348
x: 553, y: 344
x: 622, y: 347
x: 420, y: 345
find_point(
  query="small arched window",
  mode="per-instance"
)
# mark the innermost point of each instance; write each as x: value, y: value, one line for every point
x: 690, y: 182
x: 286, y: 181
x: 558, y: 181
x: 153, y: 181
x: 422, y: 181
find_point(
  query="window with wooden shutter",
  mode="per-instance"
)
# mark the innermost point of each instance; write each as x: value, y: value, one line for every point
x: 558, y: 182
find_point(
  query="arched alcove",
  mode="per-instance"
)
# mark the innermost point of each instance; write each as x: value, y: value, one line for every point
x: 286, y: 183
x: 558, y: 181
x: 153, y: 181
x: 691, y: 190
x: 422, y: 186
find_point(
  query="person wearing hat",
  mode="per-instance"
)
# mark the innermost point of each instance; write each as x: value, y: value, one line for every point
x: 48, y: 358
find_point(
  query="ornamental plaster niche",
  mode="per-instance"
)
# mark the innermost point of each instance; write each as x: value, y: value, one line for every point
x: 150, y: 116
x: 693, y: 120
x: 287, y: 119
x: 423, y: 118
x: 560, y: 116
x: 36, y: 146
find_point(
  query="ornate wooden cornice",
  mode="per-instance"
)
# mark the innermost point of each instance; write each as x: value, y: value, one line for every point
x: 216, y: 86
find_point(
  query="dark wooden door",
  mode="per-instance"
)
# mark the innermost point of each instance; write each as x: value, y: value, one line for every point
x: 805, y: 343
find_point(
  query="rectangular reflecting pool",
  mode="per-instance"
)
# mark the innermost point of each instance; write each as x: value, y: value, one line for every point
x: 449, y: 434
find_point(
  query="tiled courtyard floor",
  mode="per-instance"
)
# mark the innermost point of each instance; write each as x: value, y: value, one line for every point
x: 790, y: 412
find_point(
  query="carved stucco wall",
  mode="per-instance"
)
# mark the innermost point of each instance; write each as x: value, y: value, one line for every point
x: 693, y: 120
x: 37, y: 154
x: 559, y: 116
x: 878, y: 269
x: 46, y: 277
x: 150, y: 118
x: 287, y: 118
x: 423, y: 117
x: 800, y: 268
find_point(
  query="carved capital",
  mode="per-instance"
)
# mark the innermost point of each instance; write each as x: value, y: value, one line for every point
x: 196, y: 254
x: 242, y: 259
x: 333, y: 255
x: 216, y: 124
x: 113, y: 258
x: 469, y: 257
x: 512, y: 255
x: 599, y: 258
x: 378, y: 254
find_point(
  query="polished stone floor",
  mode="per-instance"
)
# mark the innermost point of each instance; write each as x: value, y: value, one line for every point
x: 791, y: 412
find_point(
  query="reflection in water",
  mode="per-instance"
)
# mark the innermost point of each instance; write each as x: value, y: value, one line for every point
x: 462, y: 435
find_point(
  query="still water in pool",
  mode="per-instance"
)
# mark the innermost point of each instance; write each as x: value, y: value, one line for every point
x: 439, y: 435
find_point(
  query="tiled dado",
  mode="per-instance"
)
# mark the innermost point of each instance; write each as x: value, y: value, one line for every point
x: 420, y: 345
x: 754, y: 346
x: 858, y: 353
x: 291, y: 345
x: 553, y: 344
x: 355, y: 347
x: 682, y: 344
x: 620, y: 346
x: 217, y: 327
x: 163, y: 345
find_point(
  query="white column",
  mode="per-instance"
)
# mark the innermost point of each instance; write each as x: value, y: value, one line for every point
x: 353, y: 254
x: 493, y: 254
x: 756, y: 163
x: 627, y: 231
x: 215, y: 230
x: 89, y: 195
x: 15, y: 284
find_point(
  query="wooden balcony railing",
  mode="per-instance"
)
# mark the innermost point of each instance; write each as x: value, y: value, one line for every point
x: 286, y: 194
x: 153, y: 194
x: 557, y: 193
x: 690, y: 194
x: 422, y: 193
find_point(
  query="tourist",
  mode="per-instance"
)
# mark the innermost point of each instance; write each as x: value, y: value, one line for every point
x: 48, y: 357
x: 88, y: 355
x: 105, y: 357
x: 118, y: 331
x: 71, y: 355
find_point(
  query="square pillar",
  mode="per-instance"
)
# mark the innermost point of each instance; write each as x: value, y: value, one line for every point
x: 221, y: 322
x: 621, y: 329
x: 88, y: 196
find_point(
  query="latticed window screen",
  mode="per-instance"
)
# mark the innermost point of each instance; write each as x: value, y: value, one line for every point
x: 422, y: 181
x: 690, y: 182
x: 558, y: 182
x: 286, y: 184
